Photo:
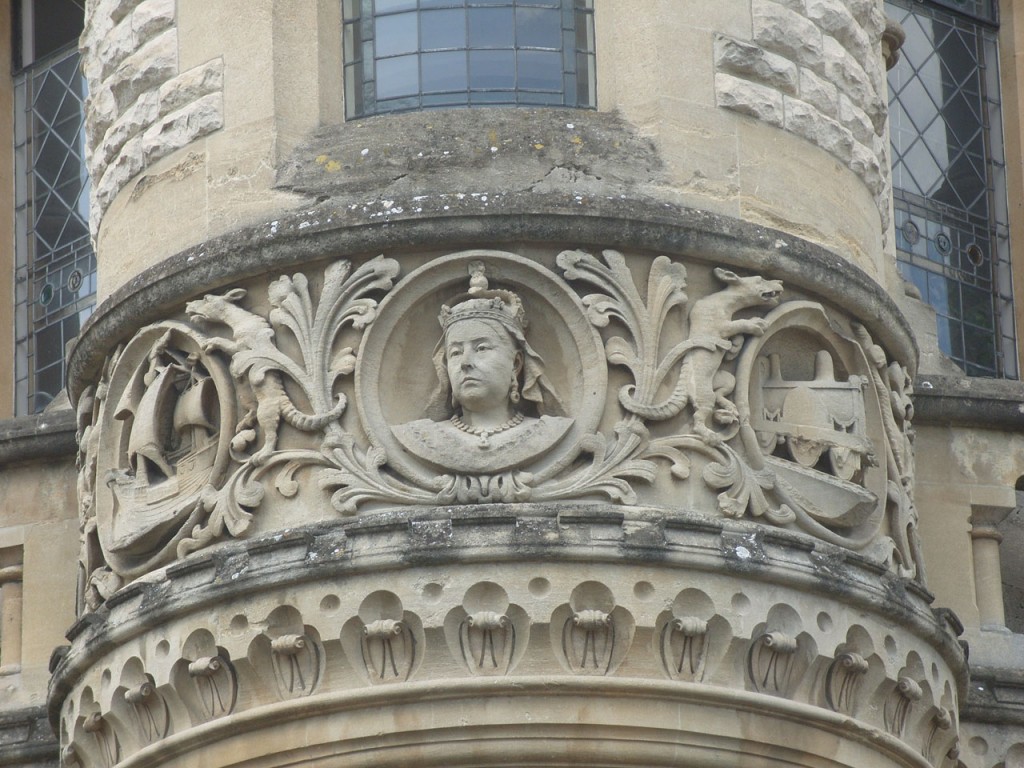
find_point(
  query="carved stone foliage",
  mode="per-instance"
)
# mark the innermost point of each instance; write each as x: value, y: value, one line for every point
x: 572, y: 381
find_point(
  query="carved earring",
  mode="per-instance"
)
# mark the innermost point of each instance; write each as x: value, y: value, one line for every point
x: 514, y: 394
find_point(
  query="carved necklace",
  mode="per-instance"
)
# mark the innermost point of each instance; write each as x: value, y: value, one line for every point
x: 485, y: 433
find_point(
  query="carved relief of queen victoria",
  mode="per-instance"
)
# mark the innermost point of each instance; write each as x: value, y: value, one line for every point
x: 493, y: 409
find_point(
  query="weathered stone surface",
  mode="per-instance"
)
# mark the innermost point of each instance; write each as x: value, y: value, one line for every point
x: 191, y: 86
x: 751, y: 62
x: 804, y: 120
x: 786, y: 32
x: 818, y: 92
x: 745, y: 97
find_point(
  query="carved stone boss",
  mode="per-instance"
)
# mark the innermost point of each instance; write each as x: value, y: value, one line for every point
x: 781, y: 412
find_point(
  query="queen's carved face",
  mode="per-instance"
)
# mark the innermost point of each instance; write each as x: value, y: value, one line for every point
x: 482, y: 361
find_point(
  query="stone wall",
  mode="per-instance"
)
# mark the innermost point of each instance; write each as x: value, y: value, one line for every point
x: 814, y: 69
x: 141, y: 107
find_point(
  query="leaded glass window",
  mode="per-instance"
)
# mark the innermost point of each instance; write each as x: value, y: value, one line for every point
x: 55, y: 274
x: 417, y: 54
x: 949, y: 179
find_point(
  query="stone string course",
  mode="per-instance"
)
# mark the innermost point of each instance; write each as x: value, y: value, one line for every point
x: 814, y: 68
x: 141, y: 106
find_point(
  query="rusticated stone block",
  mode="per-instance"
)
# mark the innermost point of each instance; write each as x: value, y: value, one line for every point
x: 804, y: 120
x: 818, y: 92
x: 784, y: 31
x: 751, y: 62
x: 191, y: 86
x: 842, y: 69
x: 179, y: 128
x: 149, y: 67
x: 748, y: 98
x: 834, y: 18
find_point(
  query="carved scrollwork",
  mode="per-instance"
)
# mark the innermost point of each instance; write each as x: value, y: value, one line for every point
x: 684, y: 648
x: 487, y: 640
x: 210, y: 687
x: 150, y: 711
x: 388, y: 650
x: 107, y: 749
x: 899, y: 703
x: 770, y: 662
x: 842, y: 681
x: 297, y: 661
x: 588, y: 640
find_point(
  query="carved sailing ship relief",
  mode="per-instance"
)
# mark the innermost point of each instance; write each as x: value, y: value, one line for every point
x: 167, y: 400
x: 171, y: 446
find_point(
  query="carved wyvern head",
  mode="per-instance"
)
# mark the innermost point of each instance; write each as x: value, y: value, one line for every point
x: 751, y: 291
x: 214, y: 308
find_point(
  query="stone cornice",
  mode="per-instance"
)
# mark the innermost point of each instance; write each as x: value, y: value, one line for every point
x: 32, y: 438
x: 333, y: 229
x: 969, y: 402
x: 26, y: 740
x: 389, y: 542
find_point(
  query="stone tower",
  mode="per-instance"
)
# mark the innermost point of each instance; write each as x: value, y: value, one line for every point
x: 512, y: 383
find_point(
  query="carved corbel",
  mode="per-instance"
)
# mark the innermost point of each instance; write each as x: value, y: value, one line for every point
x: 388, y: 650
x: 899, y: 704
x: 770, y: 662
x: 487, y: 640
x: 843, y: 680
x: 152, y: 717
x: 684, y: 648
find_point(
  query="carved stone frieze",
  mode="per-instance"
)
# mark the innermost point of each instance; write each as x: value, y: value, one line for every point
x: 435, y: 637
x: 485, y: 376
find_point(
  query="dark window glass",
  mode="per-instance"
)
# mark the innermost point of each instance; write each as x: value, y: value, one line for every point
x: 55, y: 273
x: 414, y: 54
x: 442, y: 29
x: 947, y: 162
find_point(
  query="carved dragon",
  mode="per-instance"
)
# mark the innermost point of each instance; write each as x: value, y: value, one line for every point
x: 714, y: 334
x: 269, y: 403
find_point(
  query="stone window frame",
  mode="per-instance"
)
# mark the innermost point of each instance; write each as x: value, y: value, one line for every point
x: 363, y: 56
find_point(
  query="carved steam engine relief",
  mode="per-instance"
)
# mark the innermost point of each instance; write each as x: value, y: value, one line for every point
x: 485, y: 376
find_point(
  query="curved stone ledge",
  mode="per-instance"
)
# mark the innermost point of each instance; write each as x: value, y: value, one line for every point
x: 43, y: 436
x: 653, y: 563
x: 969, y: 402
x: 330, y: 230
x: 26, y: 740
x: 539, y: 721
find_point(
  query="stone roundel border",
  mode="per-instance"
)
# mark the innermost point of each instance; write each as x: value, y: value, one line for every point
x: 331, y: 230
x: 535, y: 284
